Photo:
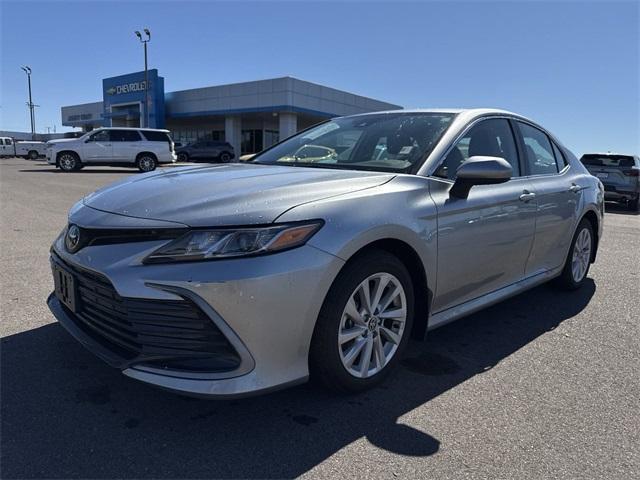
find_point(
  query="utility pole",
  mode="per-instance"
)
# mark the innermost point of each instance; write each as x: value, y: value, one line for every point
x: 27, y: 70
x: 146, y: 73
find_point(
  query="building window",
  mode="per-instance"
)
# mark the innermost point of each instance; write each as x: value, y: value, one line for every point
x: 271, y: 137
x: 217, y: 135
x: 251, y: 141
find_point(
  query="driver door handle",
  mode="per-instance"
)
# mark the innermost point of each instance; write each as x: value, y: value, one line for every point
x: 527, y: 196
x: 575, y: 188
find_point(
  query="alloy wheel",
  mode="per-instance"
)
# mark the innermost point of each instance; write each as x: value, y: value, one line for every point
x: 67, y: 162
x: 372, y: 325
x: 146, y: 164
x: 581, y: 255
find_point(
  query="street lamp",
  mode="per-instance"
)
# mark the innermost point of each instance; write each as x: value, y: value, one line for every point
x: 146, y: 74
x: 27, y: 70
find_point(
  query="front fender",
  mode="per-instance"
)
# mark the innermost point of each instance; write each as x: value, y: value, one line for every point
x: 401, y: 209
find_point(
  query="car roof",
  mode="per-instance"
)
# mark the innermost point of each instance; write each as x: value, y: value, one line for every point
x: 477, y: 111
x: 137, y: 129
x: 465, y: 114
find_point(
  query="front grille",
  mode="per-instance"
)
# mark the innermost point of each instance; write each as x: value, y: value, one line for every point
x: 173, y: 334
x: 110, y: 236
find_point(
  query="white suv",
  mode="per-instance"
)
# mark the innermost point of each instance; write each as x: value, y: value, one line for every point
x: 143, y: 148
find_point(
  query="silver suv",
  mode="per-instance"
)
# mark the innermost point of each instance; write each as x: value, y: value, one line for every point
x: 144, y: 148
x: 620, y: 175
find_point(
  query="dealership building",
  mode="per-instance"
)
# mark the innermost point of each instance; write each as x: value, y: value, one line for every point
x: 249, y: 115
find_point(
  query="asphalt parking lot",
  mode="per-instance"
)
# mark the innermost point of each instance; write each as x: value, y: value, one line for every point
x: 544, y: 385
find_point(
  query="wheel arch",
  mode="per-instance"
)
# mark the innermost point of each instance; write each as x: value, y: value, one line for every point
x: 592, y: 218
x: 414, y: 264
x: 146, y: 152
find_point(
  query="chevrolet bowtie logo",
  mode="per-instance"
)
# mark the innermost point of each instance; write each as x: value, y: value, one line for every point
x: 111, y: 91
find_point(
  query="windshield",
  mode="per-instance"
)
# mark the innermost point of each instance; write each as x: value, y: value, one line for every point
x: 395, y: 142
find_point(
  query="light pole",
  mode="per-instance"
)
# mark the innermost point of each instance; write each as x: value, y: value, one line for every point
x: 146, y: 73
x: 27, y: 70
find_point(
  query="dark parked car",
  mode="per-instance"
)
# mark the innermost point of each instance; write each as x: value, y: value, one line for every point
x: 620, y: 175
x: 206, y: 150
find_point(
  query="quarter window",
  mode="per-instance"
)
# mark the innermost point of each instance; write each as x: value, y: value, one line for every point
x: 492, y: 138
x: 560, y: 160
x: 538, y: 151
x: 155, y: 136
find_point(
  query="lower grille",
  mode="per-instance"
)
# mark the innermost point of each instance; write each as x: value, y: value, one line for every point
x: 174, y: 334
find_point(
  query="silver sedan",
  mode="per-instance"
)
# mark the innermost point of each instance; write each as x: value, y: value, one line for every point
x: 324, y: 254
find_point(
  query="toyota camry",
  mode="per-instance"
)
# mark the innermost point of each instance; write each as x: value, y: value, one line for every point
x: 323, y: 255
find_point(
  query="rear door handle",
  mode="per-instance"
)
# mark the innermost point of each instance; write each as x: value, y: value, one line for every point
x: 527, y: 196
x: 575, y: 188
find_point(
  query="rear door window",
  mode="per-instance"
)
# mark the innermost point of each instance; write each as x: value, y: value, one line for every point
x: 124, y: 136
x: 538, y: 151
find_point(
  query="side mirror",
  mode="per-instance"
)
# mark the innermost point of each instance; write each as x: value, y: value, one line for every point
x: 480, y: 170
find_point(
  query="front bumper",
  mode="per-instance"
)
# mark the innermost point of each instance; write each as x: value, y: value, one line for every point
x: 266, y: 307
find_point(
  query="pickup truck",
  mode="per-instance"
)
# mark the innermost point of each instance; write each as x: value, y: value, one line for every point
x: 11, y: 148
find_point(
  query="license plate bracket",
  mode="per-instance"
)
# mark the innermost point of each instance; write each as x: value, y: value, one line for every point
x: 65, y: 287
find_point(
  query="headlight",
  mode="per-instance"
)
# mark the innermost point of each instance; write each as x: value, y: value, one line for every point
x: 213, y: 244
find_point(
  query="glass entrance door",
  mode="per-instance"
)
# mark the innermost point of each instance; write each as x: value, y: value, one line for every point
x: 251, y: 141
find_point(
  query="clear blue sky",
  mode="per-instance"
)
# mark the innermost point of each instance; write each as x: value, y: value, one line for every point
x: 572, y: 66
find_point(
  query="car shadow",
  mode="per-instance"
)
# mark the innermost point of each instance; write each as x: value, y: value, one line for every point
x: 618, y: 208
x: 65, y: 414
x: 85, y: 170
x: 79, y: 172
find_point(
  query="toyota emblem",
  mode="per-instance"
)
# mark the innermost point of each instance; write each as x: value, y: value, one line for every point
x: 72, y: 239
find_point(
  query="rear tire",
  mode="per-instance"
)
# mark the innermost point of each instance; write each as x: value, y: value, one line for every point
x: 69, y: 162
x: 225, y: 157
x: 146, y: 162
x: 355, y: 346
x: 33, y: 155
x: 634, y: 205
x: 578, y: 260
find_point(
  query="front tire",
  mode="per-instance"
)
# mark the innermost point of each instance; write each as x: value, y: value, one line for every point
x: 634, y: 205
x: 183, y: 157
x: 69, y: 162
x: 578, y: 260
x: 364, y: 324
x: 146, y: 162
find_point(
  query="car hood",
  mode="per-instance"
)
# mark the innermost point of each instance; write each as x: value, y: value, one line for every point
x: 62, y: 140
x: 234, y: 194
